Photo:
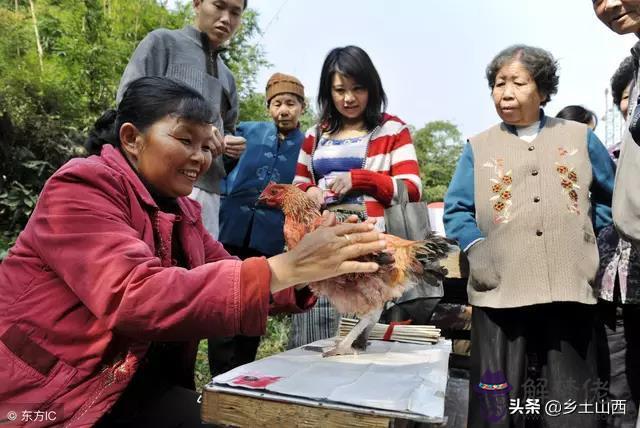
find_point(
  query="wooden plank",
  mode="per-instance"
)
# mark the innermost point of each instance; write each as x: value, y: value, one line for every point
x: 457, y: 265
x: 241, y: 411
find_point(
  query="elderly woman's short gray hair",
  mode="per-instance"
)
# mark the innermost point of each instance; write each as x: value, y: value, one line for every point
x: 539, y: 63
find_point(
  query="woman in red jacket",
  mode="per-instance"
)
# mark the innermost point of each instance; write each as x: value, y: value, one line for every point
x: 114, y: 280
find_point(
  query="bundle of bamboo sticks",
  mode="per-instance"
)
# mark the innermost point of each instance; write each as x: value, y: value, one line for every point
x: 401, y: 332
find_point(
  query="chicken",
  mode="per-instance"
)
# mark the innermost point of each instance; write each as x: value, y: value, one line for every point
x: 362, y: 294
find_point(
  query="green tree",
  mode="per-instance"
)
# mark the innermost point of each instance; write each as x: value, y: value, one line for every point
x: 438, y: 147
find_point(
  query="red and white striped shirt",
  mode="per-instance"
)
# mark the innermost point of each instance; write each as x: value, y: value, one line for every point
x: 390, y: 156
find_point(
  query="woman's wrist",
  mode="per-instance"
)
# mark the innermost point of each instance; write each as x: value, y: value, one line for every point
x: 281, y: 274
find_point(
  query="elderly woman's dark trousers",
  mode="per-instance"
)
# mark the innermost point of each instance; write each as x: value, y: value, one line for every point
x: 541, y: 352
x: 619, y: 358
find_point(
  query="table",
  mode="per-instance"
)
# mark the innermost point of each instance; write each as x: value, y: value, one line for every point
x: 390, y: 385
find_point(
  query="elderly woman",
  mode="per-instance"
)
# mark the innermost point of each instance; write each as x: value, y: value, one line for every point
x: 114, y: 280
x: 246, y: 228
x: 524, y: 202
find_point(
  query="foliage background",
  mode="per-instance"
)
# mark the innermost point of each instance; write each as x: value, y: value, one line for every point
x: 60, y: 68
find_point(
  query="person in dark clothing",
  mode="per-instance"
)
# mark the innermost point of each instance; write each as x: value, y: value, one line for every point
x: 192, y: 55
x: 246, y: 228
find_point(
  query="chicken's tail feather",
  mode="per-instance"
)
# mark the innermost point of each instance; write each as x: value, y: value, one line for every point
x: 431, y: 250
x: 434, y: 247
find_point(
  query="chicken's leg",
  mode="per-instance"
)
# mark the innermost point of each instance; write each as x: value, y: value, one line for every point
x: 356, y: 339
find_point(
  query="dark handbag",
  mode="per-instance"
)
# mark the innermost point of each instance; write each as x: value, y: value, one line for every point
x: 410, y: 220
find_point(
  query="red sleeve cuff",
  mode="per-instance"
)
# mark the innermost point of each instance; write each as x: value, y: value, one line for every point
x: 374, y: 184
x: 255, y: 277
x: 292, y: 301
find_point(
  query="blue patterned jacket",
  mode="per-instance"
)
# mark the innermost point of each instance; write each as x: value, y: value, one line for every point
x: 242, y: 222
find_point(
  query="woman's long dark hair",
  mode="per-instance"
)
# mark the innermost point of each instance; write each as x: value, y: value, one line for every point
x: 353, y: 62
x: 147, y: 100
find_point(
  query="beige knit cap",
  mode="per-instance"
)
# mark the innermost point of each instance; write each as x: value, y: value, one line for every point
x: 281, y: 83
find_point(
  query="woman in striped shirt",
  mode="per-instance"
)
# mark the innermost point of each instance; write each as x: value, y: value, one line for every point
x: 350, y: 162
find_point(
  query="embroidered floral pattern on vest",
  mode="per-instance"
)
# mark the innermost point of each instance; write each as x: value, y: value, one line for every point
x: 568, y: 178
x: 501, y: 189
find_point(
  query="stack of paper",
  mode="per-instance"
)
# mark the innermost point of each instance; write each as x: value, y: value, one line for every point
x: 407, y: 333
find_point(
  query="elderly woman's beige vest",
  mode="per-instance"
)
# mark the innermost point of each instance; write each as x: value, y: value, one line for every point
x: 532, y: 204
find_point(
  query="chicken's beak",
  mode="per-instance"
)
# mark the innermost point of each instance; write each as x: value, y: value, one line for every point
x: 262, y: 199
